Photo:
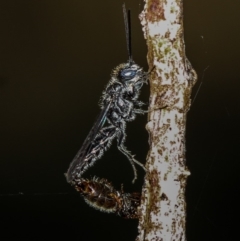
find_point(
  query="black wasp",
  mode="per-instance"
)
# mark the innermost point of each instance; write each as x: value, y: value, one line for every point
x: 119, y: 104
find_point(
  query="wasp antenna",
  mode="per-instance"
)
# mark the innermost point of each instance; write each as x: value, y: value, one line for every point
x: 127, y: 23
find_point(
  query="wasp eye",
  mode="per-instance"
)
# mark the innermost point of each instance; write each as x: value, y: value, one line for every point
x: 127, y: 74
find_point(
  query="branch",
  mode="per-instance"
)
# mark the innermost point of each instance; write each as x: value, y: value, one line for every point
x: 163, y: 208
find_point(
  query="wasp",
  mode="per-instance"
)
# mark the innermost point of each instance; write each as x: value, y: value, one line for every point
x: 119, y: 104
x: 101, y: 195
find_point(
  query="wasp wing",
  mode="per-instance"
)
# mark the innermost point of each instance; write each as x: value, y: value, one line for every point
x: 77, y: 165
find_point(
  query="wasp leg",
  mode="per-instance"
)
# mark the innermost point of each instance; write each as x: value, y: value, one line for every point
x: 139, y: 103
x: 121, y: 139
x: 140, y: 111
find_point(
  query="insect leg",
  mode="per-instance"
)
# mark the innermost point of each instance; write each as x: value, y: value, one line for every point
x: 140, y: 111
x: 121, y: 139
x: 139, y: 103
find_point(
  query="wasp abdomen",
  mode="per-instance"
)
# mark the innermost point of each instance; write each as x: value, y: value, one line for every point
x: 100, y: 194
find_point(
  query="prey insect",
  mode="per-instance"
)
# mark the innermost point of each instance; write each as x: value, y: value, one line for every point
x: 100, y: 194
x: 119, y: 104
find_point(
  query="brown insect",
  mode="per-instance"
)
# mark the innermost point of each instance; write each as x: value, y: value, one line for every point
x: 100, y: 194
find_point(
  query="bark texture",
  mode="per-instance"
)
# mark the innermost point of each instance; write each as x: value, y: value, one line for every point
x: 163, y: 209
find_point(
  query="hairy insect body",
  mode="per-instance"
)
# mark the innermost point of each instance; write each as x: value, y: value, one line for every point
x: 101, y: 195
x: 124, y: 87
x: 124, y: 91
x: 119, y: 104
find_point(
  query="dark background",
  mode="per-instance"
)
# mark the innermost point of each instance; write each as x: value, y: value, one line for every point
x: 56, y: 57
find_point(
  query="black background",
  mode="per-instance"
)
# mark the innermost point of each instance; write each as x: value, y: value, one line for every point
x: 56, y: 57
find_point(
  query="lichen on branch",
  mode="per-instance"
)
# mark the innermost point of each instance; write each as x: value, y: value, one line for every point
x: 163, y: 208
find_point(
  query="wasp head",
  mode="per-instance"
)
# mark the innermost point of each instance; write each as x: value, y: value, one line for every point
x: 128, y: 72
